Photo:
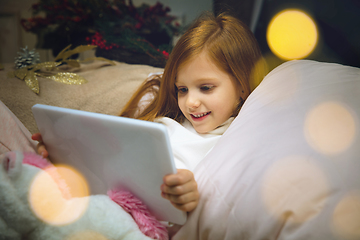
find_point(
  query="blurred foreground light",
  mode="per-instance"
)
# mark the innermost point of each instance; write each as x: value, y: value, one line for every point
x: 283, y: 88
x: 346, y: 217
x: 258, y: 73
x: 75, y: 181
x: 289, y: 192
x: 87, y: 234
x: 330, y: 128
x: 51, y: 195
x: 292, y: 34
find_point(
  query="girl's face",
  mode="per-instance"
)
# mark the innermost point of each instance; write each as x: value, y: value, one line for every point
x: 207, y: 96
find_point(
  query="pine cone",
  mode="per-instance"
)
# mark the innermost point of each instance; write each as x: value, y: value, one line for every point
x: 26, y: 58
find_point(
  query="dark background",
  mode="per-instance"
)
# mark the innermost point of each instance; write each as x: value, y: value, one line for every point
x: 338, y: 23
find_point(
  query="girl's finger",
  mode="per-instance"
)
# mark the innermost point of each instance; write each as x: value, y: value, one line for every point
x: 180, y: 189
x: 183, y: 199
x: 37, y: 137
x: 41, y: 149
x: 188, y: 207
x: 181, y: 177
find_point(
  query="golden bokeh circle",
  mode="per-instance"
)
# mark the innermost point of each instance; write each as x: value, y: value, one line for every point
x: 292, y: 34
x: 50, y: 196
x: 346, y: 217
x: 330, y: 128
x: 86, y: 234
x: 289, y: 192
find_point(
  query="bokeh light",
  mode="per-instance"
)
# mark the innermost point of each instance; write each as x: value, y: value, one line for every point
x: 330, y: 128
x: 283, y: 87
x: 51, y: 195
x: 258, y: 72
x: 289, y: 191
x: 292, y: 34
x: 75, y: 181
x: 346, y: 217
x: 87, y: 234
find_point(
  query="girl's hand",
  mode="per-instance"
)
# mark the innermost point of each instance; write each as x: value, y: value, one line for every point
x: 181, y: 190
x: 41, y: 149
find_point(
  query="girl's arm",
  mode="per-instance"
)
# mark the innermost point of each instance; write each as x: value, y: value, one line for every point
x: 181, y: 190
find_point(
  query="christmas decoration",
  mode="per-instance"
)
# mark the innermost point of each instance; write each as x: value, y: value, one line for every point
x: 26, y: 58
x: 110, y: 24
x: 29, y: 73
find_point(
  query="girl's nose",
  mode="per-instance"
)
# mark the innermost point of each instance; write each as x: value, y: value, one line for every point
x: 192, y: 102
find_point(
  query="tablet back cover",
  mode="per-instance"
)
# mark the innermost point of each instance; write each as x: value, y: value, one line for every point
x: 112, y: 152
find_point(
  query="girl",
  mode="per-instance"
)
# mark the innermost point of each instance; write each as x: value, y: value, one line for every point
x: 205, y: 82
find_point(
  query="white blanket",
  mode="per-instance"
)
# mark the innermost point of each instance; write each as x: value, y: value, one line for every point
x: 288, y: 166
x: 188, y: 146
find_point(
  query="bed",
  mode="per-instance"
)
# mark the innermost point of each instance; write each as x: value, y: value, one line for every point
x: 287, y: 168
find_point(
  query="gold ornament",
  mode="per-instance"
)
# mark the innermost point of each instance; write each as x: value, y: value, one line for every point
x: 21, y: 73
x: 68, y: 78
x: 47, y: 65
x: 72, y: 63
x: 32, y: 82
x: 65, y: 53
x: 29, y: 73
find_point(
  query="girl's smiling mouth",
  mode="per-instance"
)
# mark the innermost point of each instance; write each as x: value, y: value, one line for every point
x: 199, y: 117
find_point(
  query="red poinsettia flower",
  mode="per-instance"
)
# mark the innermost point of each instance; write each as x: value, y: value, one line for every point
x: 138, y: 25
x: 76, y: 19
x: 166, y: 54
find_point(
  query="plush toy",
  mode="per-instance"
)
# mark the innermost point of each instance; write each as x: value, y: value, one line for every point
x: 117, y: 216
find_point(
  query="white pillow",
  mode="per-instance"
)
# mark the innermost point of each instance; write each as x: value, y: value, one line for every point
x: 289, y: 165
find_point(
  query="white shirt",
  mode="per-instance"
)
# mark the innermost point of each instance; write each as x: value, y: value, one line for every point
x: 190, y: 147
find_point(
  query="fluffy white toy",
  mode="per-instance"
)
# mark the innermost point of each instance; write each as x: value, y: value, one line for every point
x: 46, y: 211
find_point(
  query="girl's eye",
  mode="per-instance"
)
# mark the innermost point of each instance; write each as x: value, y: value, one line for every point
x: 182, y: 90
x: 206, y: 88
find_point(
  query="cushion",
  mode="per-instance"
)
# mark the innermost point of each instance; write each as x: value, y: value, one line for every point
x: 288, y: 166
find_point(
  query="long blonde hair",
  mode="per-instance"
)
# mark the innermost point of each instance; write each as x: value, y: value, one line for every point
x: 230, y: 45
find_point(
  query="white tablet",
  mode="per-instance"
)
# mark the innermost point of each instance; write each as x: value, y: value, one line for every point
x: 112, y: 151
